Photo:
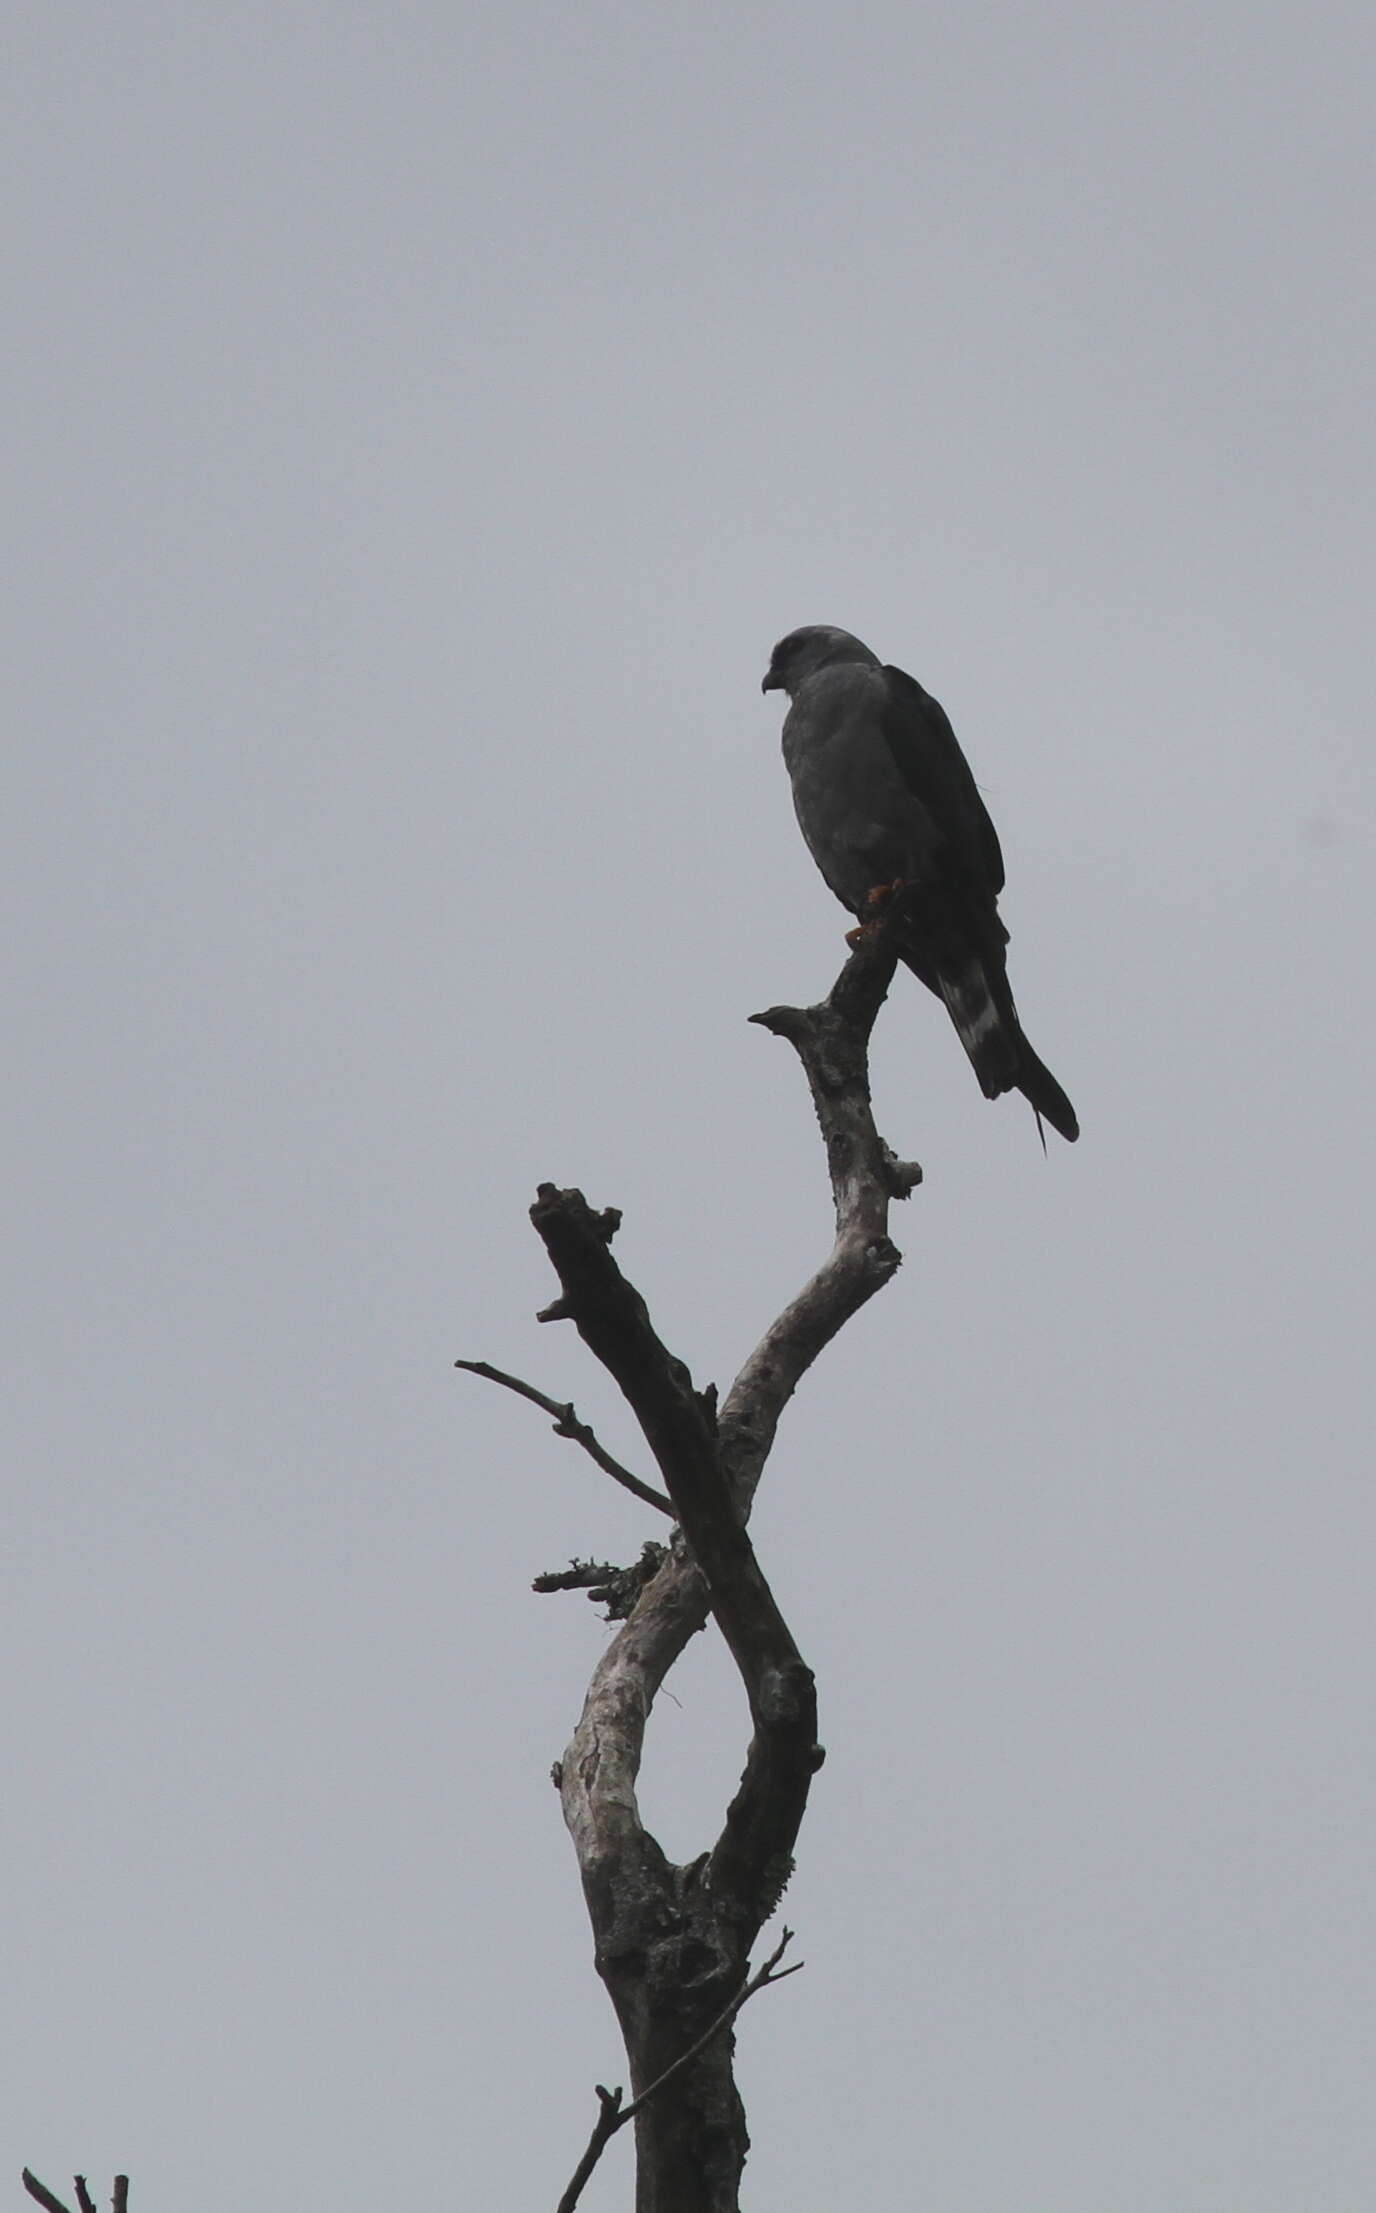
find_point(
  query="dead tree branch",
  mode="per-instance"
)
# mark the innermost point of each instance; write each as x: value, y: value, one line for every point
x: 615, y: 1588
x: 672, y: 1943
x: 567, y: 1424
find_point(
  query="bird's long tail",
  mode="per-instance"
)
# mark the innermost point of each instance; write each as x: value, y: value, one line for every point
x: 986, y: 1021
x: 1040, y: 1088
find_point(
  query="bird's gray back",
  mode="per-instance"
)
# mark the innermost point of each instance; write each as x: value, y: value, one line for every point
x: 862, y: 823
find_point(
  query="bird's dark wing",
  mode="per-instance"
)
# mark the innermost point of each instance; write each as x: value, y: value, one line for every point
x: 937, y: 773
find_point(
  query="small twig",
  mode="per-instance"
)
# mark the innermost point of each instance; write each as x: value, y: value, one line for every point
x: 83, y: 2195
x: 760, y: 1981
x: 44, y: 2195
x: 608, y: 2121
x: 614, y: 2115
x: 120, y: 2201
x: 567, y: 1424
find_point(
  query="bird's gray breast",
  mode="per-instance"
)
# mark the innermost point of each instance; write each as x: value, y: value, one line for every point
x: 862, y: 823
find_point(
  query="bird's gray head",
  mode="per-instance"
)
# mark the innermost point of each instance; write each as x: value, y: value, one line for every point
x: 803, y: 652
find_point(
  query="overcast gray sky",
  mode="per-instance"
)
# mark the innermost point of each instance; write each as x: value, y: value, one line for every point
x: 421, y: 425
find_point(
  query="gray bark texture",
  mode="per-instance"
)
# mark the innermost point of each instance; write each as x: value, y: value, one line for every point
x: 672, y: 1944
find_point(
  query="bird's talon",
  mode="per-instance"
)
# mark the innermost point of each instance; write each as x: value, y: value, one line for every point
x: 879, y: 896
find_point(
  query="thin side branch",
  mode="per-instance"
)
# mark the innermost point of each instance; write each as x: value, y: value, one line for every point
x: 618, y: 1589
x: 759, y: 1981
x: 614, y: 2115
x: 83, y: 2196
x: 579, y: 1575
x: 605, y: 2128
x: 567, y: 1424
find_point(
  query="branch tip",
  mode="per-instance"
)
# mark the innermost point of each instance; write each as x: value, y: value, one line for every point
x: 781, y: 1021
x: 618, y: 1589
x: 567, y: 1424
x: 44, y: 2195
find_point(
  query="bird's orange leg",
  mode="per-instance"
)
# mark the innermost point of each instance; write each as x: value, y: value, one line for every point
x: 877, y: 898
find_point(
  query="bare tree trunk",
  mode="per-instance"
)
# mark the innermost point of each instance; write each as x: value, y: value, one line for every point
x: 673, y: 1943
x: 691, y: 2140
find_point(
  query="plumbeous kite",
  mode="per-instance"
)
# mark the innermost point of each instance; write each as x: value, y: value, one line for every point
x: 885, y: 798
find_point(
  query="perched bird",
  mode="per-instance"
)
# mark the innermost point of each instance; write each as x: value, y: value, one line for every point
x: 885, y: 799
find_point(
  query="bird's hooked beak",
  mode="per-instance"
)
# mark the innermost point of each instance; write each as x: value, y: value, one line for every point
x: 773, y: 682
